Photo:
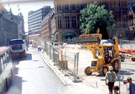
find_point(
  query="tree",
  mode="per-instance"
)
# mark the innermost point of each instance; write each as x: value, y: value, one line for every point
x: 94, y: 17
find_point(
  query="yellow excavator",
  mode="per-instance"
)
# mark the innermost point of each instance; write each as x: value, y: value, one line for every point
x: 105, y: 52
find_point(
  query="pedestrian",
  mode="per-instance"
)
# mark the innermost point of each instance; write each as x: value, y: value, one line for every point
x: 110, y: 79
x: 130, y: 86
x: 116, y: 89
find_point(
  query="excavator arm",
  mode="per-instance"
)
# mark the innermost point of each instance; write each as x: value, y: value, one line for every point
x: 95, y: 47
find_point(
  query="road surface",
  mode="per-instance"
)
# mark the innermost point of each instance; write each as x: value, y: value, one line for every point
x: 33, y: 76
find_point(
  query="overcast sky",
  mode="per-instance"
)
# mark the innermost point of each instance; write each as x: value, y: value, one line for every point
x: 26, y: 7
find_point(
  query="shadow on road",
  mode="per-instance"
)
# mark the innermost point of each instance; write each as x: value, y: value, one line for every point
x: 17, y: 59
x: 122, y: 72
x: 16, y: 86
x: 28, y: 57
x: 16, y: 83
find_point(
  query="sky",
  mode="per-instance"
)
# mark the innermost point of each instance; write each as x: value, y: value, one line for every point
x: 26, y: 7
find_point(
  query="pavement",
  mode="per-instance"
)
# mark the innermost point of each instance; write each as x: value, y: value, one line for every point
x: 65, y: 80
x: 76, y: 88
x: 94, y: 81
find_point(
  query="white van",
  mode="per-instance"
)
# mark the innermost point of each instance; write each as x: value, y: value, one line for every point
x: 17, y: 47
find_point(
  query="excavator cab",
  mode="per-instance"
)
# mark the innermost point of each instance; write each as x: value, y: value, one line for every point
x: 108, y: 51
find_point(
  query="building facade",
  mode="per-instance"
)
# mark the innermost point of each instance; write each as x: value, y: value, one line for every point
x: 21, y: 31
x: 20, y: 22
x: 45, y: 27
x: 53, y: 25
x: 131, y: 16
x: 34, y: 39
x: 119, y: 10
x: 35, y: 18
x: 131, y: 3
x: 67, y: 17
x: 9, y: 25
x: 67, y: 21
x: 48, y: 26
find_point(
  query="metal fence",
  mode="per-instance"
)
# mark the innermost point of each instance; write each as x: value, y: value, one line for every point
x: 73, y: 63
x: 128, y: 44
x: 52, y: 52
x: 67, y: 61
x: 70, y: 41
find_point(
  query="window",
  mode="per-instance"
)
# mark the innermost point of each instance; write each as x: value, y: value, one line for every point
x: 119, y: 13
x: 17, y: 47
x: 59, y: 8
x: 125, y: 11
x: 73, y: 7
x: 74, y: 22
x: 59, y: 22
x: 66, y: 7
x: 67, y: 22
x: 119, y: 3
x: 83, y: 6
x: 78, y: 21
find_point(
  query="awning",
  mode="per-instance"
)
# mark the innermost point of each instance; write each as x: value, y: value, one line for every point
x: 69, y: 34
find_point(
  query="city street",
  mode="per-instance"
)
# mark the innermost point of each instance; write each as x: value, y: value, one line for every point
x: 33, y: 76
x: 66, y: 46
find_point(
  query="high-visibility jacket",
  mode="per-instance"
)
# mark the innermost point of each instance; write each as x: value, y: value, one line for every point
x: 110, y: 77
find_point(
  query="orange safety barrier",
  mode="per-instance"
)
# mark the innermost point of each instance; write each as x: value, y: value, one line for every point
x: 60, y: 55
x: 128, y: 51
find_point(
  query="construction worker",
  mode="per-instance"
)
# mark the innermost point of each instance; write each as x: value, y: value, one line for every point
x: 110, y: 79
x: 116, y: 89
x: 130, y: 86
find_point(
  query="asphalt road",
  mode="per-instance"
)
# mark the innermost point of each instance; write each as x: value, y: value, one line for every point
x: 33, y: 76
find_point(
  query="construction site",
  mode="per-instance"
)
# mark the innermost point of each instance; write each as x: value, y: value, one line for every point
x: 88, y: 61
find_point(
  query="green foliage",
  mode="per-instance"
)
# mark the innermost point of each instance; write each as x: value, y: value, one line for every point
x: 94, y: 17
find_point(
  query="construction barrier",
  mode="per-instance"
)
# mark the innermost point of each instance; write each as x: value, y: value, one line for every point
x: 128, y: 51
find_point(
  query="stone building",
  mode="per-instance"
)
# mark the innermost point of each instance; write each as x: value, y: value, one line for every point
x: 48, y: 26
x: 131, y: 24
x: 131, y: 15
x: 8, y: 28
x: 67, y: 15
x: 11, y: 27
x: 53, y: 25
x: 20, y: 22
x: 45, y: 27
x: 67, y: 21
